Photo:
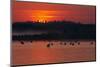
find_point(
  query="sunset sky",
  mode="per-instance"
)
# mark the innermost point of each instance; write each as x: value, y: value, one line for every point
x: 35, y: 11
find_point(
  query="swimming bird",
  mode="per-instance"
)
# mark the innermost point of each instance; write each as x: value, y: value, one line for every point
x: 65, y: 43
x: 52, y: 44
x: 31, y: 41
x: 72, y: 44
x: 91, y: 42
x: 78, y: 43
x: 48, y: 45
x: 22, y: 42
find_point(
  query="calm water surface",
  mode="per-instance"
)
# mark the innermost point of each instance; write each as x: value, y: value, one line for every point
x: 38, y: 52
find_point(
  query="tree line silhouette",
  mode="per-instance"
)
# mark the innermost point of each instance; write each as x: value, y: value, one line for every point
x: 66, y: 29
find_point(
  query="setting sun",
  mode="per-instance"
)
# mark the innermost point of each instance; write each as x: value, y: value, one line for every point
x: 42, y: 15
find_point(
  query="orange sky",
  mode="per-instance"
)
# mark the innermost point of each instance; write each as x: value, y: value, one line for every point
x: 33, y: 11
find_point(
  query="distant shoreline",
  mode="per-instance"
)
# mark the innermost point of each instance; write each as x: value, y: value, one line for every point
x: 59, y: 40
x: 56, y: 30
x: 51, y: 37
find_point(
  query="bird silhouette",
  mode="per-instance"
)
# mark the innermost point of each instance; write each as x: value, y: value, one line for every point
x: 78, y: 43
x: 22, y: 42
x: 31, y: 41
x: 48, y: 45
x: 91, y: 43
x: 65, y: 43
x: 72, y: 44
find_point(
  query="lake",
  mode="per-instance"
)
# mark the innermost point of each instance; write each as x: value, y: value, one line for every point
x: 45, y: 52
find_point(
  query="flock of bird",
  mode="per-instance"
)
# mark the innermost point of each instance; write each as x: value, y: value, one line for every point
x: 64, y: 43
x: 61, y: 43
